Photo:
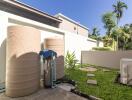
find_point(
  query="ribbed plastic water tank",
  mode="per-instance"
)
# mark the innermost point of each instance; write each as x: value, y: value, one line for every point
x: 23, y: 66
x: 57, y: 45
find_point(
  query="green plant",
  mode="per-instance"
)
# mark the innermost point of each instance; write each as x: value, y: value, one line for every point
x: 70, y: 60
x: 102, y: 49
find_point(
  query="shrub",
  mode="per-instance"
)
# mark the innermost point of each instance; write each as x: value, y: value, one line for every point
x: 102, y: 49
x: 70, y: 60
x: 129, y: 46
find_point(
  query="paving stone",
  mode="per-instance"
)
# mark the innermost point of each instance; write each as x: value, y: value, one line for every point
x: 47, y: 94
x: 66, y: 86
x: 92, y: 82
x: 90, y: 75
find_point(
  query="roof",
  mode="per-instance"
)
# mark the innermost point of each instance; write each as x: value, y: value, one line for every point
x: 69, y: 19
x: 17, y: 7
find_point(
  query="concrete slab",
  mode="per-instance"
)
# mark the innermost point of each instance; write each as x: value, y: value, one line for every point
x: 47, y: 94
x: 92, y: 82
x: 66, y: 86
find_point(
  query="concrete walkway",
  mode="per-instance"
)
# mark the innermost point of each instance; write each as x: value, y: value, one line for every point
x: 47, y: 94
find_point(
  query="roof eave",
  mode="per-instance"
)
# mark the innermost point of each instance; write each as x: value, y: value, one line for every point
x: 31, y: 9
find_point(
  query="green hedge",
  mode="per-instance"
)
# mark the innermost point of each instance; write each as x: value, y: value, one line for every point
x: 101, y: 49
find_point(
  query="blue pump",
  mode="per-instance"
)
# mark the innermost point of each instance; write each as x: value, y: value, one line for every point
x: 49, y: 56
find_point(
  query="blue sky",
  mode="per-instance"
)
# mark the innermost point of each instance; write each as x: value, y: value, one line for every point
x: 86, y: 12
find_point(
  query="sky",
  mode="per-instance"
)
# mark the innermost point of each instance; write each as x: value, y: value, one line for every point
x: 86, y: 12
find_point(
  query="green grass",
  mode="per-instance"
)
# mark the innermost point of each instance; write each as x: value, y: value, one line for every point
x: 106, y: 88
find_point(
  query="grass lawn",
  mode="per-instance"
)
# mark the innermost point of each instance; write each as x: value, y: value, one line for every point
x: 106, y: 88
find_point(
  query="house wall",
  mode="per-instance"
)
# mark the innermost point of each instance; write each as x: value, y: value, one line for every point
x: 73, y: 42
x: 110, y: 59
x: 72, y: 27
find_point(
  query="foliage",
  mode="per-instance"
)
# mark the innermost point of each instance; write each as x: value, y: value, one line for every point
x: 119, y: 35
x: 124, y: 34
x: 102, y: 48
x: 106, y: 88
x: 70, y: 60
x: 108, y: 41
x: 109, y: 21
x: 128, y: 46
x: 95, y: 34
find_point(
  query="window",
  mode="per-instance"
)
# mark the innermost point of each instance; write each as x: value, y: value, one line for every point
x: 74, y: 28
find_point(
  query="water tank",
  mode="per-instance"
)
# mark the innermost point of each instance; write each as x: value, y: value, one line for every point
x: 57, y: 45
x: 23, y: 66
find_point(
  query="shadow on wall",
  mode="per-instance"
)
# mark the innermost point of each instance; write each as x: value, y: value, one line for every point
x: 60, y: 67
x: 2, y: 61
x: 42, y: 46
x: 23, y: 74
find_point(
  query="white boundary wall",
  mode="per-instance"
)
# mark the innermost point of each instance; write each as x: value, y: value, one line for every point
x: 110, y: 59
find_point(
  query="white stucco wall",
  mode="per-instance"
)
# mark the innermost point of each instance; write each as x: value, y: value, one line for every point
x: 77, y: 43
x: 3, y: 31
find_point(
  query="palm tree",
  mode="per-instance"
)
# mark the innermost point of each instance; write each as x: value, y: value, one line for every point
x: 109, y: 22
x: 95, y: 33
x: 118, y: 10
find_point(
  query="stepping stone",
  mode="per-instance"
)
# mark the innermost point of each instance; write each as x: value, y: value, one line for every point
x: 89, y: 69
x: 2, y: 86
x: 94, y: 98
x: 90, y: 75
x: 106, y: 70
x: 92, y: 82
x: 66, y: 86
x: 3, y: 90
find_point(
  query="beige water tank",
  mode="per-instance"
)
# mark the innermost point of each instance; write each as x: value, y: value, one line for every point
x: 23, y: 67
x: 57, y: 45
